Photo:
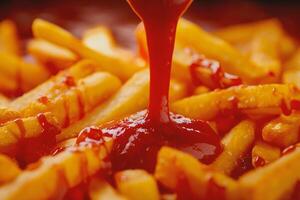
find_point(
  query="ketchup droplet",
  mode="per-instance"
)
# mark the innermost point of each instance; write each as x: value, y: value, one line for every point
x: 69, y: 81
x: 43, y: 99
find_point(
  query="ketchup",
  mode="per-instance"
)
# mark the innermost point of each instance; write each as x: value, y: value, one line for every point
x: 138, y: 138
x: 31, y: 149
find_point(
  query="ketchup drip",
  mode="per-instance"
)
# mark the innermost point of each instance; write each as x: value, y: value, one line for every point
x: 160, y: 19
x: 138, y: 138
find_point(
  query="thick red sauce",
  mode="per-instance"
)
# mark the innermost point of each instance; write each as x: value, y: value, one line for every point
x: 138, y: 138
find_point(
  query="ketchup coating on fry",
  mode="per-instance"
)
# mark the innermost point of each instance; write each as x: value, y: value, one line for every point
x: 31, y: 149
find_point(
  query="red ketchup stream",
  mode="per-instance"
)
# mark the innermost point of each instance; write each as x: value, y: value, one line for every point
x: 138, y: 138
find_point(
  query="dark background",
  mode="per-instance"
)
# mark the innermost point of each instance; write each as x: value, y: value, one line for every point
x: 77, y: 15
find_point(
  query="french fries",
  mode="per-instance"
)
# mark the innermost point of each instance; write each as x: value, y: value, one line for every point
x: 54, y: 174
x: 9, y: 40
x: 17, y: 74
x: 122, y: 68
x: 188, y: 34
x: 263, y: 53
x: 252, y: 100
x: 135, y: 184
x: 236, y: 143
x: 54, y: 85
x: 11, y: 169
x: 12, y: 133
x: 95, y: 82
x: 253, y: 184
x: 263, y: 154
x: 282, y: 131
x: 54, y: 57
x: 101, y: 190
x: 294, y: 62
x: 173, y: 164
x: 132, y: 97
x: 243, y: 33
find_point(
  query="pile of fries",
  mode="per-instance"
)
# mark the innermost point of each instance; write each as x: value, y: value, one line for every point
x: 243, y: 79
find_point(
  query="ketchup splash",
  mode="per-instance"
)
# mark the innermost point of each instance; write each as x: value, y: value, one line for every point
x: 138, y: 138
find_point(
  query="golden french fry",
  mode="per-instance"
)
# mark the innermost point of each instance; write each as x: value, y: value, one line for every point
x: 282, y: 131
x: 137, y: 184
x: 100, y: 39
x: 54, y: 85
x: 58, y: 173
x: 54, y: 57
x: 294, y: 62
x: 20, y: 74
x: 191, y: 35
x: 263, y: 52
x: 11, y: 132
x: 173, y: 165
x: 131, y: 98
x: 273, y: 181
x: 101, y: 190
x: 201, y: 90
x: 9, y: 41
x: 236, y: 143
x: 123, y: 68
x: 263, y: 153
x: 7, y: 114
x: 252, y: 100
x: 291, y: 76
x: 242, y: 33
x: 9, y: 169
x: 78, y: 100
x: 3, y: 100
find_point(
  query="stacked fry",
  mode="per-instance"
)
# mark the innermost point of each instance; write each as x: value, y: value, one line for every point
x: 243, y: 79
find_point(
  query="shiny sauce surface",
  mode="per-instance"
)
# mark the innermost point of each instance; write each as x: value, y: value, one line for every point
x: 138, y: 138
